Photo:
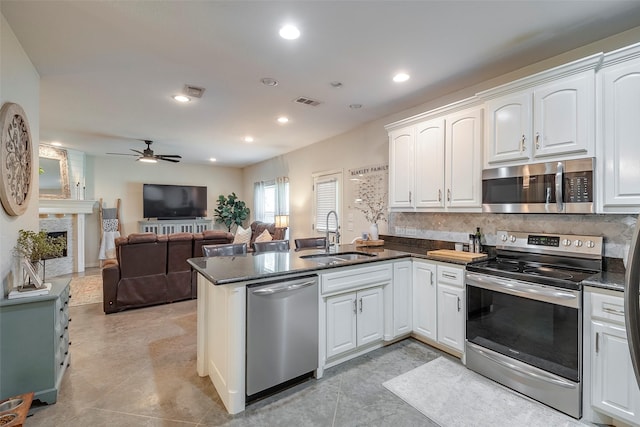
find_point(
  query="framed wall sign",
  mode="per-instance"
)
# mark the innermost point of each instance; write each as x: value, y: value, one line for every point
x: 15, y: 159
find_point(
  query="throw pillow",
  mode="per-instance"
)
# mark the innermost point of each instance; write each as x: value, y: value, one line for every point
x: 242, y: 235
x: 265, y: 236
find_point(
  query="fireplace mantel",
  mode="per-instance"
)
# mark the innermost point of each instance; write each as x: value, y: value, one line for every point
x: 66, y: 206
x: 77, y: 209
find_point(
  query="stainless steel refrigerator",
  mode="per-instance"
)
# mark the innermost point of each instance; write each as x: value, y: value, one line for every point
x: 632, y: 301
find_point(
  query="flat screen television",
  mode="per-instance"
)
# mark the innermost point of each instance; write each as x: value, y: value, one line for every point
x: 174, y: 201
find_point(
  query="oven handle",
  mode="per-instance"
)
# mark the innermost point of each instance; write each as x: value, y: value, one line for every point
x: 566, y: 298
x: 547, y: 378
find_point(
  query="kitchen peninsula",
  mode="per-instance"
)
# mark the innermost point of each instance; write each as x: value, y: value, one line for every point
x: 222, y: 305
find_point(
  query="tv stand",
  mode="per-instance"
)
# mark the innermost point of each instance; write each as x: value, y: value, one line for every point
x: 179, y: 225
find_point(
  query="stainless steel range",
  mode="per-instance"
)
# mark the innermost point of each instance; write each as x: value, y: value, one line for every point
x: 524, y: 315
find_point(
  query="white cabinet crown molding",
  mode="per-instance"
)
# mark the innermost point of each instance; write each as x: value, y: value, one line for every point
x: 624, y: 54
x: 445, y: 109
x: 592, y: 62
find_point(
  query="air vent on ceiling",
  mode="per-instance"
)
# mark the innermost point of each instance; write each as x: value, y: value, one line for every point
x: 306, y: 101
x: 193, y: 91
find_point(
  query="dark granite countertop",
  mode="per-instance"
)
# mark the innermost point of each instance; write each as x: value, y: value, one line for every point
x: 606, y: 280
x: 268, y: 265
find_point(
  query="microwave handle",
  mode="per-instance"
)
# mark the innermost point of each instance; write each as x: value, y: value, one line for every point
x: 559, y: 186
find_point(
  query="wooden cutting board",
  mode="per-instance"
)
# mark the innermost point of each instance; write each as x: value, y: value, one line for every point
x: 457, y: 255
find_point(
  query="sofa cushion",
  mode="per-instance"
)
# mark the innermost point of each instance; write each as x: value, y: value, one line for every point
x: 242, y: 235
x: 265, y: 236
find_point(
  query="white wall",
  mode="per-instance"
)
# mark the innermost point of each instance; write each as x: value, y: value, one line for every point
x: 19, y: 83
x: 368, y: 144
x: 112, y: 178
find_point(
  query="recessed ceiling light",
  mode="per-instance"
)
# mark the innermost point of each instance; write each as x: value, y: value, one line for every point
x: 248, y: 139
x: 283, y: 119
x: 181, y: 98
x: 212, y: 159
x: 289, y: 32
x: 268, y: 81
x: 56, y: 144
x: 355, y: 106
x: 401, y: 77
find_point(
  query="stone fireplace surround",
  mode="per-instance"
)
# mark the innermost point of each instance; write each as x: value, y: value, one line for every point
x: 66, y: 215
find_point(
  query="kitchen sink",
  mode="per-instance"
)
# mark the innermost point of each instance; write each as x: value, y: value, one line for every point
x: 335, y: 258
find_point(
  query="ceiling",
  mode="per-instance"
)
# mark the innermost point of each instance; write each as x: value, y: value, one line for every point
x: 109, y: 69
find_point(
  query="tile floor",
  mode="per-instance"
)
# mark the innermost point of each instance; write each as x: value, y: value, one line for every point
x: 137, y: 368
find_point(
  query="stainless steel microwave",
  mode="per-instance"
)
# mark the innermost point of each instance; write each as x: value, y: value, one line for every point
x: 553, y: 187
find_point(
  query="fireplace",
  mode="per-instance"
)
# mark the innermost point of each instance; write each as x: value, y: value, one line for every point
x: 55, y: 235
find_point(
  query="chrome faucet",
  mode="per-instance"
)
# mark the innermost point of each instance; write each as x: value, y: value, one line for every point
x: 336, y: 232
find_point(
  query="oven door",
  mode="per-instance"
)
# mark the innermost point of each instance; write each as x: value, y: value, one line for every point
x: 535, y: 324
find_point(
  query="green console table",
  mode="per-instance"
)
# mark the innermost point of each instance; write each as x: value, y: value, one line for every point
x: 34, y: 343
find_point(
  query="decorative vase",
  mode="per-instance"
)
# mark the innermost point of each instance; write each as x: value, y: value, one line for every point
x: 373, y: 232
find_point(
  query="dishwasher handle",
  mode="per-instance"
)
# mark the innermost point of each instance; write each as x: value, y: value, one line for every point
x: 283, y: 288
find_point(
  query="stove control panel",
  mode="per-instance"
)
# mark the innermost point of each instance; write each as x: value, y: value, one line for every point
x: 558, y: 244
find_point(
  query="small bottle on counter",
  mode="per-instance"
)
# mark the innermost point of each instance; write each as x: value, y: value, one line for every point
x: 472, y: 243
x: 477, y: 239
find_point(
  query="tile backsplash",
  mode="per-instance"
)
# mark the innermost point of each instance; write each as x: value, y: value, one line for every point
x: 455, y: 227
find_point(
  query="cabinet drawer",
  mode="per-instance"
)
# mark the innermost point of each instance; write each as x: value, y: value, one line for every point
x: 354, y: 277
x: 607, y: 307
x: 451, y: 275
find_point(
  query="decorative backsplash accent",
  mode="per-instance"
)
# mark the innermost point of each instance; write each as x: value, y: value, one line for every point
x: 455, y: 227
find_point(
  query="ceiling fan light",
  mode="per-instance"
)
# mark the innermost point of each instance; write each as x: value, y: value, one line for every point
x: 147, y: 160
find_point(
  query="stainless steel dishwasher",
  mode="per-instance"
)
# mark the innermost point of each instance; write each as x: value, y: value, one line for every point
x: 282, y: 333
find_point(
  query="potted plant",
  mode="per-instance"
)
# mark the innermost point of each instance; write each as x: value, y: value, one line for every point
x: 35, y: 247
x: 231, y: 211
x: 372, y: 202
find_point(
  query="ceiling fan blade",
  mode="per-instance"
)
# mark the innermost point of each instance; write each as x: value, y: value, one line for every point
x: 137, y: 151
x: 123, y: 154
x: 167, y: 160
x: 169, y: 155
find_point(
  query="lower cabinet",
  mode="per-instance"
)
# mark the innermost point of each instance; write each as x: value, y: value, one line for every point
x: 354, y: 320
x: 34, y: 343
x: 439, y: 303
x: 402, y: 298
x: 614, y: 391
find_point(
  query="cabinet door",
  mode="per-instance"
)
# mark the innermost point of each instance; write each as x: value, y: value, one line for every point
x: 341, y: 324
x: 463, y: 159
x: 451, y: 316
x: 564, y: 116
x: 614, y: 388
x: 621, y: 127
x: 429, y: 164
x: 401, y: 167
x: 370, y: 316
x: 509, y: 120
x: 424, y: 300
x: 402, y: 301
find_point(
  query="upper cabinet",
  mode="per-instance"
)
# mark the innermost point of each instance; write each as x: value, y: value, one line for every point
x: 435, y: 164
x: 548, y: 116
x: 618, y: 149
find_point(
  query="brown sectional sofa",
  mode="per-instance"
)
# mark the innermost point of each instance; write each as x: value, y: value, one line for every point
x: 152, y: 269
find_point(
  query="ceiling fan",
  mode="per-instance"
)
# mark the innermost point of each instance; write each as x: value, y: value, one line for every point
x: 148, y: 156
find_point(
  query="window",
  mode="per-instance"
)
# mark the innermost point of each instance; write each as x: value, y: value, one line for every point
x: 271, y: 198
x: 327, y: 188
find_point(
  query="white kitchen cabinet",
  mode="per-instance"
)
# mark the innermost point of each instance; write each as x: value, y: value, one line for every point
x: 402, y: 298
x: 463, y: 159
x: 614, y: 386
x: 618, y: 148
x: 401, y: 167
x: 439, y: 305
x: 545, y: 117
x: 354, y: 319
x: 425, y: 316
x: 611, y: 389
x: 435, y: 164
x: 451, y: 306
